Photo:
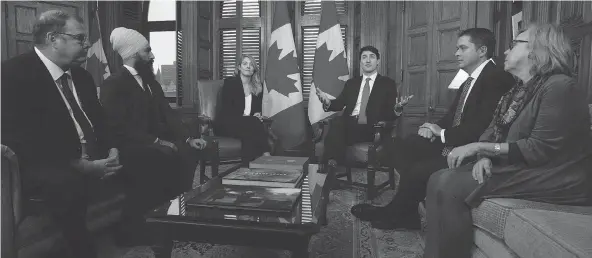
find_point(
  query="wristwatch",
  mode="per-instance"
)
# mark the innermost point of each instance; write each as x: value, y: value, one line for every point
x: 497, y: 149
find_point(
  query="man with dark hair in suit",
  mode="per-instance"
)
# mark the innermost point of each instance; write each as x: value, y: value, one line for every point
x: 156, y: 148
x: 53, y: 120
x: 418, y: 156
x: 365, y: 100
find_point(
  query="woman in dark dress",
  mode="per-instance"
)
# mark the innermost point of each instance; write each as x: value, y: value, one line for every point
x: 240, y: 114
x: 536, y: 147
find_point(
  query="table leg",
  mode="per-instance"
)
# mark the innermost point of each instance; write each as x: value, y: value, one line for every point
x: 163, y: 250
x: 300, y: 249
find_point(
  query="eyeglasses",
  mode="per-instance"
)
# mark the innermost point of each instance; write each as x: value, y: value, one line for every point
x: 79, y: 37
x: 516, y: 41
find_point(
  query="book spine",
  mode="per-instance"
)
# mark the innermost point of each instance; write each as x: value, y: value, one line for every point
x: 257, y: 183
x: 276, y: 166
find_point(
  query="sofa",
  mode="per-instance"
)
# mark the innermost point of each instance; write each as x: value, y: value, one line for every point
x: 508, y: 228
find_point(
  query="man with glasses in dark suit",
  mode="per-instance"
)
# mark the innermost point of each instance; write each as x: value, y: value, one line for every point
x: 52, y: 119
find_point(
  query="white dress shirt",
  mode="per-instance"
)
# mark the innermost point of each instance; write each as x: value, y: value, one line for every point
x: 475, y: 74
x: 359, y: 101
x: 248, y: 100
x: 56, y: 73
x: 134, y: 73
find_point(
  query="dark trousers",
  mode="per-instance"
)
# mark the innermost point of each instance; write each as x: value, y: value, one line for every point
x: 152, y: 177
x: 251, y: 131
x: 344, y: 131
x: 65, y: 195
x: 415, y: 159
x: 450, y: 232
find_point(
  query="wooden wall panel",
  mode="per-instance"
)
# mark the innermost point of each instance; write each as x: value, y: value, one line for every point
x: 374, y: 30
x: 576, y: 18
x: 191, y: 37
x: 19, y: 17
x: 3, y: 41
x: 424, y: 53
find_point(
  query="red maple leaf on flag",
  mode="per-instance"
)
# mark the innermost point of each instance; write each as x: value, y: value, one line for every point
x: 331, y: 69
x: 278, y: 71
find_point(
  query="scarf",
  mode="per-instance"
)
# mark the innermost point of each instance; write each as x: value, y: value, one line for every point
x: 510, y: 106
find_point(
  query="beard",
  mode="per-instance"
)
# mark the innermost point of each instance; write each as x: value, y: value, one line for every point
x: 145, y: 70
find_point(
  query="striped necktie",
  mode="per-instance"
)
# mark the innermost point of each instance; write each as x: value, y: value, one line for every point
x: 459, y: 110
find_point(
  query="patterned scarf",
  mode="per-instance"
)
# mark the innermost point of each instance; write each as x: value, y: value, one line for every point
x: 510, y: 106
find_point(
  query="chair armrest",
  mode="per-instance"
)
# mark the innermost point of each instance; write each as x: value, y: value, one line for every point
x: 12, y: 194
x: 267, y: 121
x: 206, y: 125
x: 380, y: 128
x: 317, y: 135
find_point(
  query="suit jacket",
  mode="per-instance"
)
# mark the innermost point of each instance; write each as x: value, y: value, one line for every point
x: 492, y: 83
x: 381, y: 101
x: 233, y: 100
x: 137, y: 117
x: 35, y: 120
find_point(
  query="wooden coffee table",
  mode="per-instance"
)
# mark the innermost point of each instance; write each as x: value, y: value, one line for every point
x: 254, y: 230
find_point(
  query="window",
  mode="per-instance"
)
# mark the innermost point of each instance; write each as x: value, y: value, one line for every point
x: 166, y: 40
x: 239, y: 30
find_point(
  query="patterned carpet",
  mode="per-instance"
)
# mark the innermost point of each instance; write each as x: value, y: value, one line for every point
x: 344, y: 236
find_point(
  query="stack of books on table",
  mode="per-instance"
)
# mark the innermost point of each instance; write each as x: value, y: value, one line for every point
x: 269, y: 184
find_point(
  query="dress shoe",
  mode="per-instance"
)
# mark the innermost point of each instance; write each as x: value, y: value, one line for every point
x: 368, y: 212
x: 400, y: 224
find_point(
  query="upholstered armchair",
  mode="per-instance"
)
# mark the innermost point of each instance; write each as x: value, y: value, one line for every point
x: 11, y: 202
x: 220, y: 150
x: 362, y: 155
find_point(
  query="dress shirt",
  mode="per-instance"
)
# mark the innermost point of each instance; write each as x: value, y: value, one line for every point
x: 56, y: 73
x: 359, y: 101
x: 248, y: 100
x: 475, y: 75
x: 138, y: 78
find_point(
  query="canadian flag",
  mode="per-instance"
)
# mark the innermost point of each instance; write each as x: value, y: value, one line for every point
x: 330, y: 70
x: 282, y: 95
x: 96, y: 62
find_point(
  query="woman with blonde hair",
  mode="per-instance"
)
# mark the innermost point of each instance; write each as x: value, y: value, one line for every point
x: 535, y: 148
x: 240, y: 113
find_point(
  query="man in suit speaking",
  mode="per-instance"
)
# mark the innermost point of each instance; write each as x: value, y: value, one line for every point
x: 365, y: 100
x: 418, y: 156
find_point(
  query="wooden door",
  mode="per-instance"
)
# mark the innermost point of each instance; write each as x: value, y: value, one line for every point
x: 416, y: 59
x: 20, y: 17
x: 430, y: 31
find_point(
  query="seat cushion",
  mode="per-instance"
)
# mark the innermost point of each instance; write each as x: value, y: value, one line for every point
x: 358, y: 152
x: 228, y: 147
x: 490, y: 245
x: 492, y: 214
x: 541, y: 233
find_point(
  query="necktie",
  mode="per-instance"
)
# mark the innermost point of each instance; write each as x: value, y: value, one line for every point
x: 362, y: 119
x: 459, y: 108
x: 87, y: 130
x: 461, y: 102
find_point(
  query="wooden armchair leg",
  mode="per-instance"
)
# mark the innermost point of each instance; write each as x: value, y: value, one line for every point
x: 202, y: 171
x: 215, y: 158
x: 371, y: 172
x: 392, y: 178
x: 348, y: 174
